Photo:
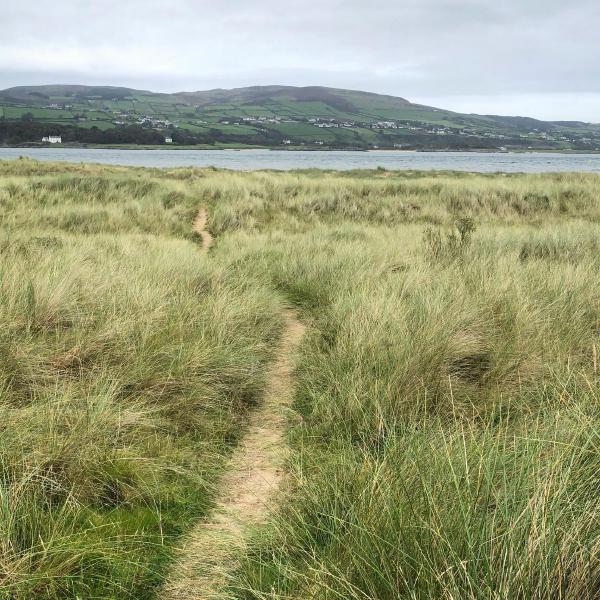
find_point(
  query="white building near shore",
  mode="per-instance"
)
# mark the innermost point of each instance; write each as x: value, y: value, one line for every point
x: 52, y: 139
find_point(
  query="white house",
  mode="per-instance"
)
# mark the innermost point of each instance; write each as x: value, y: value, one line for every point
x: 52, y: 139
x: 168, y: 140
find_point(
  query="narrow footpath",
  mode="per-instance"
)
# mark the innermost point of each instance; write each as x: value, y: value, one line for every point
x: 200, y: 224
x: 251, y: 480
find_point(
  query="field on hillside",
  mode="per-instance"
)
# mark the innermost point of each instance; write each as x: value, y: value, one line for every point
x: 272, y: 116
x: 445, y: 430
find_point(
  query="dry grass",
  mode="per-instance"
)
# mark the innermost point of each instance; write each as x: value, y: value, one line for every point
x: 127, y: 364
x: 446, y: 439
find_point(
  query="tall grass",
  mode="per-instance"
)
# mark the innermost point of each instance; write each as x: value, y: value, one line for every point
x: 127, y: 362
x: 447, y: 435
x: 448, y: 440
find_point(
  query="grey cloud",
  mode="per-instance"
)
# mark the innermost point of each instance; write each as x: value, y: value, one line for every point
x: 442, y: 49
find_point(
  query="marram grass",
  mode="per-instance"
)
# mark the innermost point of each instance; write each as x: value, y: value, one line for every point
x: 446, y: 440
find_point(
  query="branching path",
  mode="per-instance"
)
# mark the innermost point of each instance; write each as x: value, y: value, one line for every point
x: 253, y: 476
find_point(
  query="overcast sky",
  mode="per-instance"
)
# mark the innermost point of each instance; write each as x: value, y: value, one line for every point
x: 538, y: 58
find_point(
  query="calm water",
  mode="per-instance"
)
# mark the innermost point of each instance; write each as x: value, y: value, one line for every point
x: 274, y: 159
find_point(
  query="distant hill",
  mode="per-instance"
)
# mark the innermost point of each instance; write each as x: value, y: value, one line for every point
x: 309, y: 117
x: 41, y: 93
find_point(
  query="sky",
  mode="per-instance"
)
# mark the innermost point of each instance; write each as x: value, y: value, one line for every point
x: 538, y: 58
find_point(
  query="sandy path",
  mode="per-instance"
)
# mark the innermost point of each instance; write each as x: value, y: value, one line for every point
x: 200, y: 224
x: 251, y: 480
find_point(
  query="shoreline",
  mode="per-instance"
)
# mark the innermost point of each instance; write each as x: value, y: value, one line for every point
x: 175, y: 148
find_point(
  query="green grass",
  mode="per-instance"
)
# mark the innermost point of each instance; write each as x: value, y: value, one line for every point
x: 445, y: 438
x: 448, y: 394
x: 99, y: 124
x: 127, y: 362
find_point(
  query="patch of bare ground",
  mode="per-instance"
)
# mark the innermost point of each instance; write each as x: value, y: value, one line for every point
x: 247, y: 490
x: 200, y: 227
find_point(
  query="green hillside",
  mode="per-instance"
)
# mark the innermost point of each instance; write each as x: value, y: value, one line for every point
x: 269, y: 116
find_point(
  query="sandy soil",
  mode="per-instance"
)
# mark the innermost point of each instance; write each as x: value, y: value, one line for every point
x: 250, y: 483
